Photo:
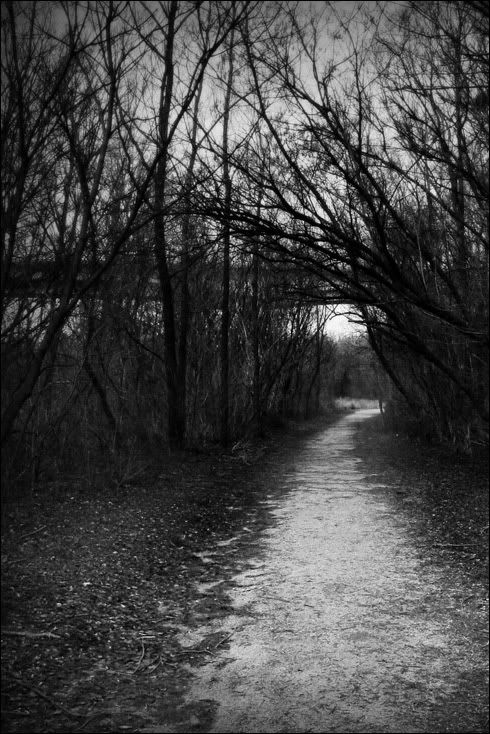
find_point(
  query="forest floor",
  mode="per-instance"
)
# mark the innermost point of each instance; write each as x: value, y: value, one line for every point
x: 102, y: 591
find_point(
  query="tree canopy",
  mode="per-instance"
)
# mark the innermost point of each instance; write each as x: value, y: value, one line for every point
x: 188, y: 187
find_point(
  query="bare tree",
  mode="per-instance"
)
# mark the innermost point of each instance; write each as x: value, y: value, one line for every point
x: 70, y: 113
x: 59, y: 122
x: 382, y: 193
x: 225, y: 303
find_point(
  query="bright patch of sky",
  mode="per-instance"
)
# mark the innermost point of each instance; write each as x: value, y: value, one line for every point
x: 341, y: 324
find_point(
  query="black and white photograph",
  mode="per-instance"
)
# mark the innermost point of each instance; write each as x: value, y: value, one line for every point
x: 244, y: 366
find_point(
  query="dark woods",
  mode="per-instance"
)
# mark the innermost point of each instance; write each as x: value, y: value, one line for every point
x: 187, y: 187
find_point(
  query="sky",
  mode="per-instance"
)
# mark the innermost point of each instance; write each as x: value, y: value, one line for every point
x: 339, y: 325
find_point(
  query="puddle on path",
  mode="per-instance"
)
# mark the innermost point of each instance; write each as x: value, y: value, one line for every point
x: 335, y: 624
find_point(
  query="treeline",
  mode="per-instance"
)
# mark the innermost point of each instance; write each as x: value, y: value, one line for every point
x: 187, y: 186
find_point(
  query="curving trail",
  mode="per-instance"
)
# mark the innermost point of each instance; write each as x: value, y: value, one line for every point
x: 338, y: 624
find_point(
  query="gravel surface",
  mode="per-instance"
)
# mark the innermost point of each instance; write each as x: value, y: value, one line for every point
x: 340, y: 622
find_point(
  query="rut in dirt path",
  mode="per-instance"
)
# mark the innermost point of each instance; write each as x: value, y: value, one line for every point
x: 340, y: 624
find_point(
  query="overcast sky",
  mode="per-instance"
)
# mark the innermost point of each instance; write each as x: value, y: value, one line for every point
x: 339, y: 325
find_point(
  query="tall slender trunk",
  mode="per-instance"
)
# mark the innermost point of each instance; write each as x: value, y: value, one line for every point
x: 456, y: 175
x: 225, y: 298
x: 257, y: 403
x: 185, y: 304
x: 96, y: 382
x: 176, y: 419
x: 315, y: 378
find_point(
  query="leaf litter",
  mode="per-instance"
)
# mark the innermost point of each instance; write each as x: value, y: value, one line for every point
x: 98, y: 589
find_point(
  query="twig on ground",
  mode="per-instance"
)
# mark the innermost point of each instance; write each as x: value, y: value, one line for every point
x: 109, y: 712
x: 143, y: 651
x: 11, y: 563
x: 155, y: 664
x: 42, y: 695
x: 38, y: 530
x: 221, y: 642
x: 206, y: 650
x: 454, y: 545
x: 22, y: 633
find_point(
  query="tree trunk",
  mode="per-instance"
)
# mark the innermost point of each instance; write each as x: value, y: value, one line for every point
x: 225, y: 298
x: 257, y: 408
x: 257, y: 402
x: 176, y: 418
x: 185, y: 305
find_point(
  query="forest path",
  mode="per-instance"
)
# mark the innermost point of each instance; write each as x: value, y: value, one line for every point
x: 337, y: 621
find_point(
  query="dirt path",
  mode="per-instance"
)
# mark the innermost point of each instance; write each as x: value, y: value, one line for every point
x: 337, y: 621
